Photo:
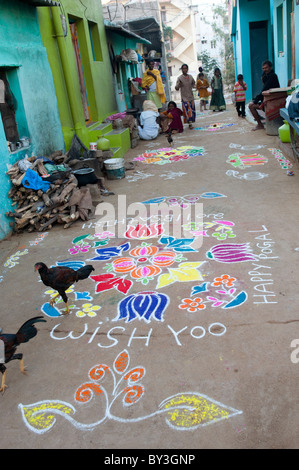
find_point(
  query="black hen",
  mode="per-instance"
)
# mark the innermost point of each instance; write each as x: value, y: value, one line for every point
x: 12, y: 341
x: 60, y: 278
x: 169, y: 138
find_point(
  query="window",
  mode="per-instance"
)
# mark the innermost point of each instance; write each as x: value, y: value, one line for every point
x: 95, y: 41
x: 279, y: 20
x: 213, y: 44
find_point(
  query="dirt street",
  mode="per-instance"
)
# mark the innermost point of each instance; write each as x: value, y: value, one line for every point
x: 184, y: 336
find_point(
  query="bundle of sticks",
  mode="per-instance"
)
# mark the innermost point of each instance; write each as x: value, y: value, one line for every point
x: 36, y: 210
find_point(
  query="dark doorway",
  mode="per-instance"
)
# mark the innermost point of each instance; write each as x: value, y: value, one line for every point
x: 258, y: 32
x: 8, y: 107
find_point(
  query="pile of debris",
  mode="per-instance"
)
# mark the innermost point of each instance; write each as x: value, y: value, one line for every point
x: 43, y: 199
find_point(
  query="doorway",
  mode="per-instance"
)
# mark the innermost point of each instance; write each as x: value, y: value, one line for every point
x: 258, y: 32
x: 8, y: 106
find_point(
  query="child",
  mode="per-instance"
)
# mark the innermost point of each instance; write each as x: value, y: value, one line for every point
x: 171, y: 120
x: 148, y: 128
x: 217, y: 101
x: 239, y: 89
x: 202, y: 86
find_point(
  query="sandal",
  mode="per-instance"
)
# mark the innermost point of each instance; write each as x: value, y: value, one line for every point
x: 190, y: 126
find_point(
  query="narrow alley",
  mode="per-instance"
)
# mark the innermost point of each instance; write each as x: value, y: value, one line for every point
x: 189, y: 320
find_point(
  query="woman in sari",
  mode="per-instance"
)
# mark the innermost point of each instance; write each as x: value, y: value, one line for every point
x: 185, y: 83
x: 217, y: 101
x: 152, y: 82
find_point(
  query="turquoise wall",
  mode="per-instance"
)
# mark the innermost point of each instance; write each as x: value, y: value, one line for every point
x: 282, y: 40
x: 125, y: 70
x: 297, y: 40
x: 5, y: 187
x: 247, y: 12
x: 31, y: 81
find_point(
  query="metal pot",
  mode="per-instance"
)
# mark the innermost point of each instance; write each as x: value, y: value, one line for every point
x: 85, y: 176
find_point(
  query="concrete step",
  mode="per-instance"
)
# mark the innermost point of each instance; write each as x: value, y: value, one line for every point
x: 99, y: 130
x: 117, y: 152
x: 119, y: 138
x: 103, y: 128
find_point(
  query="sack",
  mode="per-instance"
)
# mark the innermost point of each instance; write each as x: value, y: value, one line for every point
x: 293, y: 108
x: 24, y: 164
x: 129, y: 55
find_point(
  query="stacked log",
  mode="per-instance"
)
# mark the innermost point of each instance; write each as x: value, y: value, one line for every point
x: 36, y: 210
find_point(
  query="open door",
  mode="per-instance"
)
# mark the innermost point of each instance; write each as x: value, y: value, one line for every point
x: 259, y: 52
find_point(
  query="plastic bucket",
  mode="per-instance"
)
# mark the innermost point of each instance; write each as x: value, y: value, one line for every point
x: 115, y: 168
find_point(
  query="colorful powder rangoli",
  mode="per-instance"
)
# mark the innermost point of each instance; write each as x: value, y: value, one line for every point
x: 166, y: 155
x: 238, y: 160
x: 284, y: 163
x: 214, y: 127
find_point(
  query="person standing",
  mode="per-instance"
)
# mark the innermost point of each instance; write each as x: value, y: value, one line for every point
x: 270, y: 80
x: 202, y: 86
x: 152, y: 82
x: 200, y: 70
x: 185, y: 83
x: 162, y: 74
x: 217, y: 101
x: 239, y: 90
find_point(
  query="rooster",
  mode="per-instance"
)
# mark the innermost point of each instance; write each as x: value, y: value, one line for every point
x: 60, y: 278
x: 12, y: 341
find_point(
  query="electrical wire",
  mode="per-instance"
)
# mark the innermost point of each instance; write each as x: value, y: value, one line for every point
x: 115, y: 11
x: 85, y: 8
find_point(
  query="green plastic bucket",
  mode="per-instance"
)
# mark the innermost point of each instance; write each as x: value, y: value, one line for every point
x: 115, y: 168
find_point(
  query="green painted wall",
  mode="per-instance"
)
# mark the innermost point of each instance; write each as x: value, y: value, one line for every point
x: 95, y: 61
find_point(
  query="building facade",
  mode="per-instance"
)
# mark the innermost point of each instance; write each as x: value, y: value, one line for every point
x: 28, y: 103
x: 207, y: 22
x: 261, y: 30
x: 141, y: 17
x: 181, y: 47
x: 76, y: 43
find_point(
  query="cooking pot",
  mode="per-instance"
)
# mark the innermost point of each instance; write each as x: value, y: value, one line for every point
x: 85, y: 176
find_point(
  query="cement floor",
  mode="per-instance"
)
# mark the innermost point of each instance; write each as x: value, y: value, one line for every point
x: 208, y: 348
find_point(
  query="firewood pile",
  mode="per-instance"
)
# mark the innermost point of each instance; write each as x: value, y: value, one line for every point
x: 38, y: 210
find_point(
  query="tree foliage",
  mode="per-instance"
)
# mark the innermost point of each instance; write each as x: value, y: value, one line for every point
x: 208, y: 63
x: 223, y: 35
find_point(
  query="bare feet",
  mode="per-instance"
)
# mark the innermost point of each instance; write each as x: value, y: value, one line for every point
x: 258, y: 127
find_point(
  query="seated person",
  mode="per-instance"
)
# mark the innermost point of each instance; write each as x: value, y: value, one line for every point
x: 270, y: 80
x: 171, y: 119
x: 148, y: 128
